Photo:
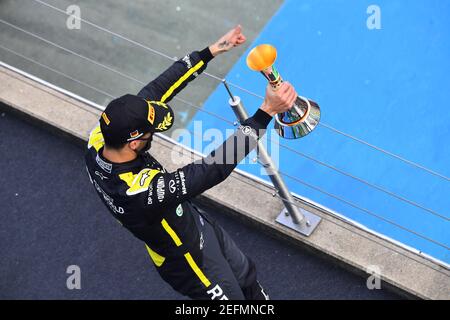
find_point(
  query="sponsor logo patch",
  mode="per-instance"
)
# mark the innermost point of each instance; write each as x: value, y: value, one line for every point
x: 166, y: 123
x: 187, y: 60
x: 134, y: 134
x: 179, y: 210
x: 202, y: 241
x: 90, y: 178
x: 216, y: 293
x: 144, y: 177
x: 172, y: 187
x: 107, y: 167
x: 106, y: 119
x: 150, y: 195
x: 160, y: 189
x: 140, y: 182
x: 151, y: 113
x: 183, y: 183
x: 100, y: 175
x: 109, y: 201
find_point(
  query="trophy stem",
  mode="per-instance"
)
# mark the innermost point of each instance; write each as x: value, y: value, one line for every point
x: 273, y: 76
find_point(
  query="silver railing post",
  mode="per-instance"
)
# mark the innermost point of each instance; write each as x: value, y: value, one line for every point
x: 301, y: 220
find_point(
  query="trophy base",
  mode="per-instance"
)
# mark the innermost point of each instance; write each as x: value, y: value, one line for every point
x: 296, y: 125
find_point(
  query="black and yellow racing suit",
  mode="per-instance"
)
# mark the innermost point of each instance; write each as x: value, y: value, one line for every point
x: 190, y: 251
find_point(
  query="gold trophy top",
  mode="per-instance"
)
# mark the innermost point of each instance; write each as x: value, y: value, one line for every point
x: 261, y: 57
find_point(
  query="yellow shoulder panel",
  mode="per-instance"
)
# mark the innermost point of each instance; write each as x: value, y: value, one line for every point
x: 96, y: 138
x: 140, y: 182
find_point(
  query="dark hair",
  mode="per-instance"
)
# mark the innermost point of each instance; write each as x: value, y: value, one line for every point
x: 113, y: 145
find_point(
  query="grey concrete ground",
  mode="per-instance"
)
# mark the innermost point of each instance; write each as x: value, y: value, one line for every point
x: 173, y: 27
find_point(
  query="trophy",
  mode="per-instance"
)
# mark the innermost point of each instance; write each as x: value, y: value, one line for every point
x: 304, y: 115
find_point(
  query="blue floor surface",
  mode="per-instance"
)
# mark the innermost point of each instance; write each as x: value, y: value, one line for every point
x: 389, y: 87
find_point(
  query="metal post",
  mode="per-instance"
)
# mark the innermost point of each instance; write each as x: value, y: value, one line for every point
x: 302, y: 221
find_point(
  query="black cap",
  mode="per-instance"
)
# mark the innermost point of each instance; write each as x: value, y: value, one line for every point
x: 130, y: 117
